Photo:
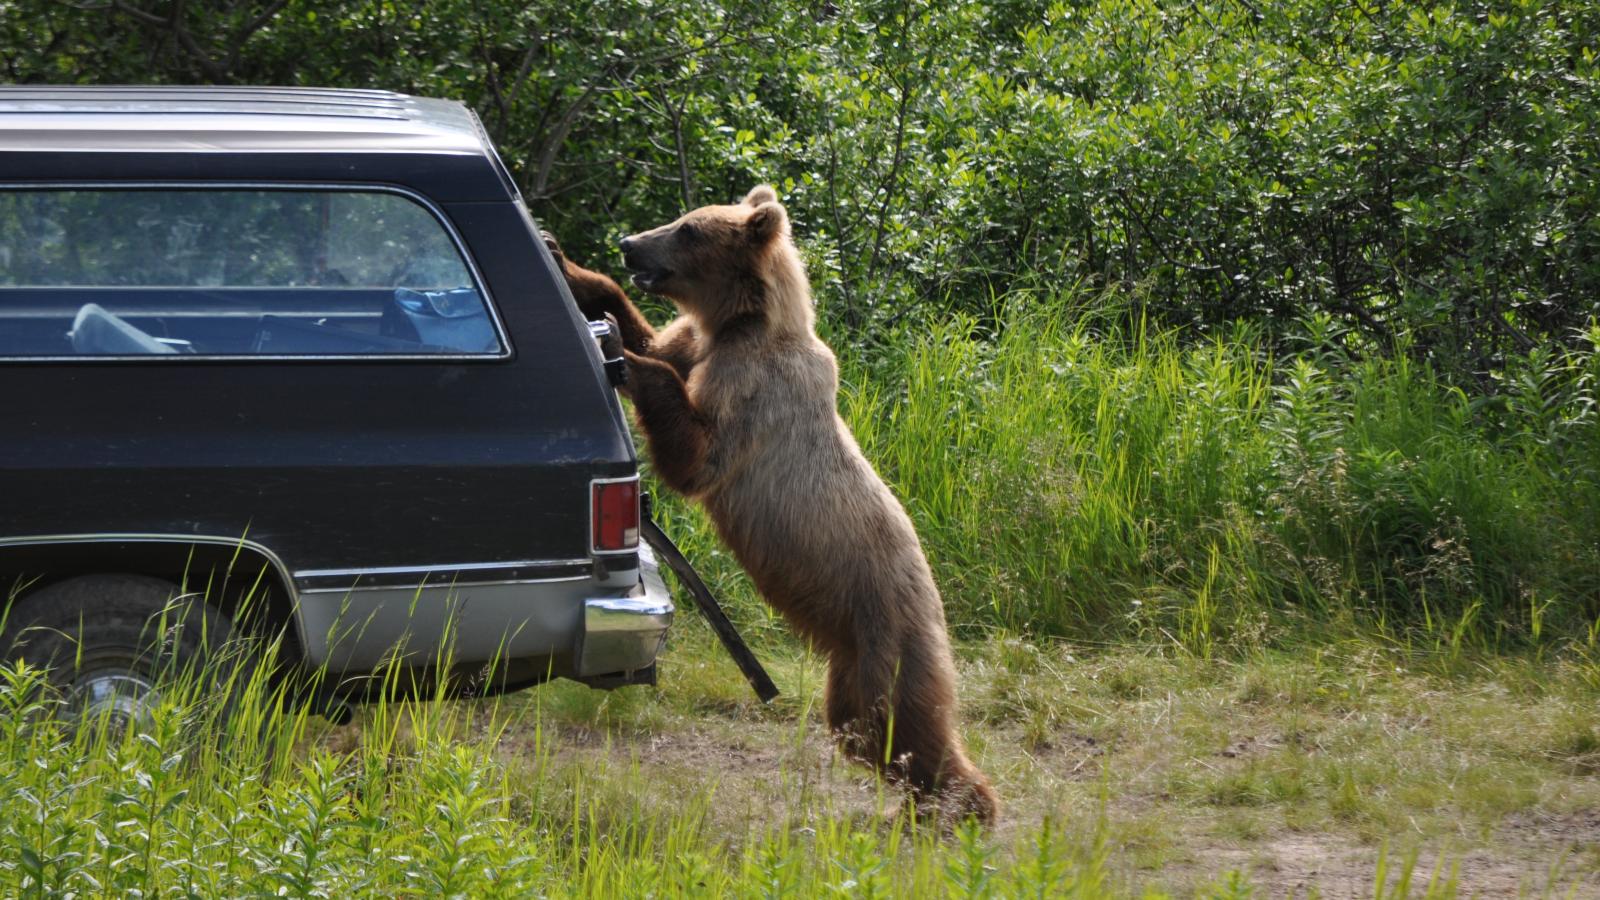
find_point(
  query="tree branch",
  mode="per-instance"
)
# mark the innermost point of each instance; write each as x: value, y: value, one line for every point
x: 893, y: 179
x: 173, y: 23
x: 243, y: 35
x: 558, y: 136
x: 685, y: 186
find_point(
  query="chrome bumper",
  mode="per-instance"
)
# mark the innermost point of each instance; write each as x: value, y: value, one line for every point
x: 624, y: 634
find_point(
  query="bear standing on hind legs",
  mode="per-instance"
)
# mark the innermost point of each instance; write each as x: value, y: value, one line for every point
x: 737, y: 399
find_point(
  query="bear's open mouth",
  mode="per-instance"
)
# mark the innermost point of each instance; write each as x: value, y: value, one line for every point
x: 648, y: 279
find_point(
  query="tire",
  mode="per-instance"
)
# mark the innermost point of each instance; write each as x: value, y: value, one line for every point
x: 109, y: 641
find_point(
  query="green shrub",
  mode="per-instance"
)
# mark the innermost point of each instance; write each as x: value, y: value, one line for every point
x: 1425, y: 172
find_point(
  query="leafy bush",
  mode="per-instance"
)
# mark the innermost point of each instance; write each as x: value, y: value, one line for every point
x: 1425, y: 172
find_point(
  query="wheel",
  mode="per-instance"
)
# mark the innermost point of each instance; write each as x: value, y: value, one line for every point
x: 107, y: 641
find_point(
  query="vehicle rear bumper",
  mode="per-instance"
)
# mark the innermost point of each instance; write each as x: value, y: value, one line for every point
x: 624, y: 634
x: 576, y: 626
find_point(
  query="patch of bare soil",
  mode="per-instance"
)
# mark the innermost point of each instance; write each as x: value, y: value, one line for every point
x: 1528, y: 855
x: 1335, y: 868
x: 759, y: 773
x: 768, y: 774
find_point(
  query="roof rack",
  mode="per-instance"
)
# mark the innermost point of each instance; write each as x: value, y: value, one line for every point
x: 111, y: 117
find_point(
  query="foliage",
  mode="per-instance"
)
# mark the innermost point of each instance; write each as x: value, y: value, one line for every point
x: 1416, y: 172
x: 422, y: 808
x: 1143, y: 766
x: 1074, y: 478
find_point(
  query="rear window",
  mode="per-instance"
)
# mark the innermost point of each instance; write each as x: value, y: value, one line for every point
x: 233, y: 272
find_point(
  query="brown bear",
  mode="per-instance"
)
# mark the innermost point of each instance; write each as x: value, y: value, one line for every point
x: 737, y: 400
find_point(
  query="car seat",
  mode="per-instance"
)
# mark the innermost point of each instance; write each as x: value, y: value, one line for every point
x: 96, y: 332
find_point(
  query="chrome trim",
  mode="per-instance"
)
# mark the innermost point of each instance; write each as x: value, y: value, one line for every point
x: 356, y: 632
x: 433, y: 209
x: 592, y: 548
x: 621, y: 634
x: 114, y: 538
x: 442, y: 567
x: 625, y: 634
x: 181, y: 314
x: 635, y: 605
x: 460, y: 585
x: 528, y: 571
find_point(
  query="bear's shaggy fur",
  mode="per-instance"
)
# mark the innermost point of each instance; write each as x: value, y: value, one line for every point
x: 737, y: 399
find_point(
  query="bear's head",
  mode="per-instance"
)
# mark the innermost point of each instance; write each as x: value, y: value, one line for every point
x: 721, y: 263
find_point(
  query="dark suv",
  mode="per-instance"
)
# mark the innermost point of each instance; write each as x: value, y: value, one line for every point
x: 304, y: 347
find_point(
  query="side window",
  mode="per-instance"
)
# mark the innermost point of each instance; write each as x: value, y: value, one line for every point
x: 233, y: 272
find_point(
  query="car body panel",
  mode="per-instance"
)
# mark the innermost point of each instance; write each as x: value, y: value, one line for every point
x: 453, y: 485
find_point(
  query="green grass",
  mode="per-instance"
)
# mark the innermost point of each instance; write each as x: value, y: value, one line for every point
x: 1078, y: 479
x: 1147, y: 771
x: 429, y: 800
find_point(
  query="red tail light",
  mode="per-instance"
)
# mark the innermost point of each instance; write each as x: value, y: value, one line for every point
x: 614, y: 514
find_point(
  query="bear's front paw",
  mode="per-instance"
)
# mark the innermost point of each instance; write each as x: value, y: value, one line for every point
x: 553, y: 246
x: 632, y: 365
x: 611, y: 345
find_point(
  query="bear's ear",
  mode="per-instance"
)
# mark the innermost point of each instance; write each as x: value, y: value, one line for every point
x: 768, y: 221
x: 761, y: 193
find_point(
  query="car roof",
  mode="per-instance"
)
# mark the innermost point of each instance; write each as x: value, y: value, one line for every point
x: 223, y: 119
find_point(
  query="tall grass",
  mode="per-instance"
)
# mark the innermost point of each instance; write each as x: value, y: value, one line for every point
x: 187, y: 803
x: 432, y: 801
x: 1075, y: 477
x: 201, y: 799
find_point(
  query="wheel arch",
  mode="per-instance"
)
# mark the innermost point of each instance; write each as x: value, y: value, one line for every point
x: 231, y: 573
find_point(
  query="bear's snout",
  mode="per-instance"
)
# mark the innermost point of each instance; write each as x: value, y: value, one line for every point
x: 634, y: 255
x: 640, y: 257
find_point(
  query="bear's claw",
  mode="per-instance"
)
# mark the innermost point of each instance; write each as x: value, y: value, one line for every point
x: 551, y: 243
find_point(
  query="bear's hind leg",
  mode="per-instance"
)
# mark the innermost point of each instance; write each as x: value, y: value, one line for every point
x: 942, y: 778
x: 839, y: 697
x: 842, y: 711
x: 919, y: 746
